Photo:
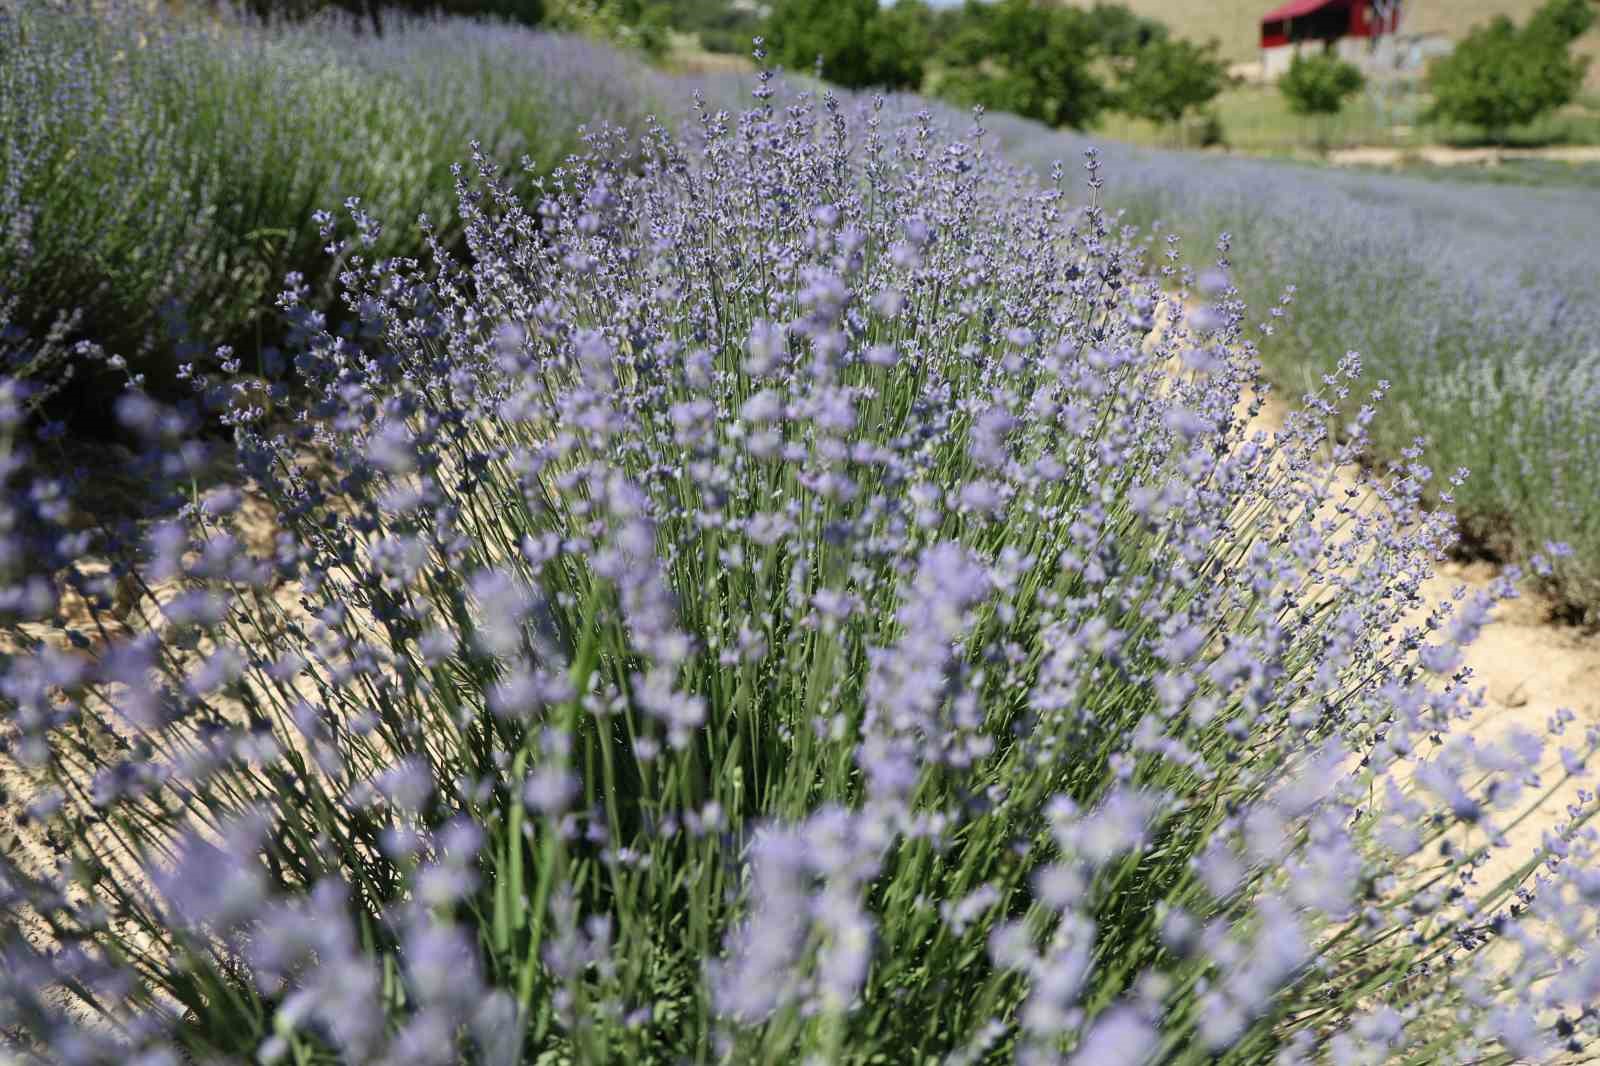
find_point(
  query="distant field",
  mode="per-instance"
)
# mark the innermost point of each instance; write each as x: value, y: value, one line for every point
x: 1256, y: 119
x: 1234, y: 23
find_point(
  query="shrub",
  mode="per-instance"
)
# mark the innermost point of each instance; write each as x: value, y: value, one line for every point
x: 1210, y: 132
x: 856, y: 42
x: 1029, y: 60
x: 372, y: 12
x: 1122, y: 33
x: 720, y: 27
x: 800, y: 590
x: 726, y: 42
x: 1318, y: 86
x: 524, y: 95
x: 1168, y: 79
x: 1472, y: 304
x: 163, y: 174
x: 1469, y: 304
x: 638, y: 24
x: 1562, y: 21
x: 1499, y: 76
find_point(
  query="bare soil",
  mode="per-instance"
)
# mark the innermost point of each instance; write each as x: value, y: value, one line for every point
x: 1530, y: 665
x: 1528, y: 668
x: 1441, y: 155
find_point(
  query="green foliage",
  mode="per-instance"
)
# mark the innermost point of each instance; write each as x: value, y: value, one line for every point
x: 526, y: 12
x: 1170, y: 78
x: 719, y: 25
x: 169, y: 190
x: 641, y: 24
x: 156, y: 195
x: 1041, y: 61
x: 913, y: 27
x: 1210, y: 132
x: 1501, y: 76
x: 648, y: 27
x: 1033, y: 61
x: 1319, y: 84
x: 1120, y: 32
x: 1562, y: 21
x: 731, y: 42
x: 857, y: 42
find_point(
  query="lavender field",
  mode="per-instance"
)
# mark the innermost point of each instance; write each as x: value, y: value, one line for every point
x: 1475, y: 303
x: 769, y: 577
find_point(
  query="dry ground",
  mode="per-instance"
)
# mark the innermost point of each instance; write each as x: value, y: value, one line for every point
x: 1529, y: 668
x: 1445, y: 156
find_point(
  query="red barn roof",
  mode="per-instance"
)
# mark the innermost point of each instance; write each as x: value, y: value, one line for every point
x: 1323, y: 20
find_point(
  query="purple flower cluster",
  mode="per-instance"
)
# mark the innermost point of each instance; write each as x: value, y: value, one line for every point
x: 1473, y: 301
x: 798, y: 591
x: 161, y: 172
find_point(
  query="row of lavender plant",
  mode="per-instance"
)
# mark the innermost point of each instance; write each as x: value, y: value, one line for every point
x: 138, y: 215
x: 772, y: 601
x: 1475, y: 303
x: 160, y: 173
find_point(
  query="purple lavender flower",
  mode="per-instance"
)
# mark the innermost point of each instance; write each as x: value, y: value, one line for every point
x: 765, y: 593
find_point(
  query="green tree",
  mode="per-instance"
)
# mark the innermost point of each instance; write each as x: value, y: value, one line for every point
x: 1562, y: 21
x: 906, y: 29
x: 1317, y: 86
x: 526, y: 12
x: 1167, y: 79
x: 642, y: 24
x: 1500, y: 76
x: 1120, y: 32
x: 1033, y: 61
x: 858, y: 42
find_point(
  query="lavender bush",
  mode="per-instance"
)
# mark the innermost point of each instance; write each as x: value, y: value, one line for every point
x: 159, y: 179
x: 160, y: 174
x: 1474, y: 303
x: 800, y: 591
x: 525, y: 93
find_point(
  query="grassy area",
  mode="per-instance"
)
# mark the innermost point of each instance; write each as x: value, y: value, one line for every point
x: 687, y: 55
x: 1256, y: 119
x: 1513, y: 172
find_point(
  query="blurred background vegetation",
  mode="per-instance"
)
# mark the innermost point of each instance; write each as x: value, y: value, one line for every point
x: 1164, y: 72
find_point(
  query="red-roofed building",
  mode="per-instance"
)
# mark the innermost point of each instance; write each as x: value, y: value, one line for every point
x: 1350, y: 27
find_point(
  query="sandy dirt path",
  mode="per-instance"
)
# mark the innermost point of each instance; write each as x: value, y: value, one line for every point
x: 1529, y: 665
x: 1440, y: 155
x: 1528, y: 668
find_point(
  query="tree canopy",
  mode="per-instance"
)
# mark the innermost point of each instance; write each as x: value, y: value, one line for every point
x: 1169, y: 78
x: 858, y: 43
x: 1501, y: 76
x: 1035, y: 61
x: 1319, y: 84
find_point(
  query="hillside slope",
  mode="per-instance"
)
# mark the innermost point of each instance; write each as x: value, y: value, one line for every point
x: 1235, y: 23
